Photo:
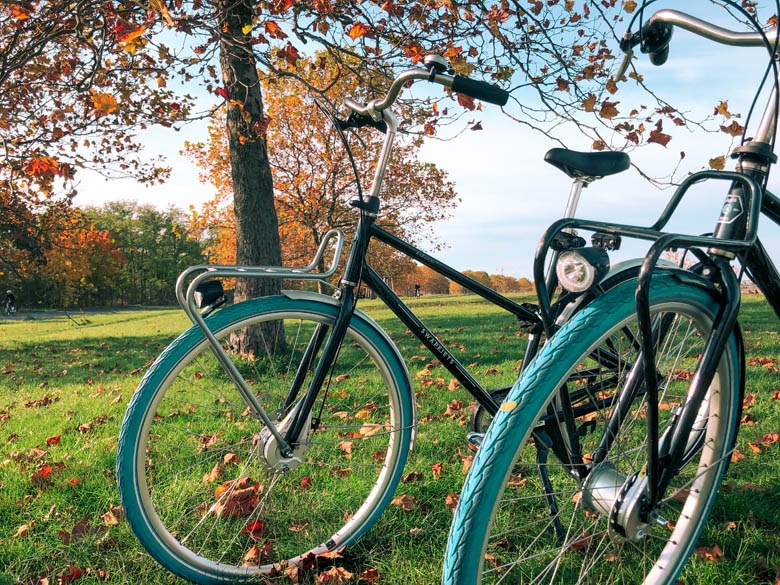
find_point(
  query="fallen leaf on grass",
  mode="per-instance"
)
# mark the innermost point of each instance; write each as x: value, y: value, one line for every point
x: 298, y: 525
x: 736, y: 456
x: 405, y: 502
x: 709, y: 553
x: 370, y: 576
x: 256, y: 529
x: 230, y: 458
x: 335, y: 576
x: 453, y: 409
x: 259, y: 553
x: 452, y: 501
x: 214, y: 474
x: 113, y: 516
x: 346, y: 446
x: 55, y: 440
x: 73, y: 574
x: 413, y: 476
x: 342, y: 472
x: 23, y: 530
x: 437, y: 468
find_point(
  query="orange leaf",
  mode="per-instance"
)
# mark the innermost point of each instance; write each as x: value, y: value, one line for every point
x: 104, y: 103
x: 357, y: 30
x: 405, y: 502
x: 55, y: 440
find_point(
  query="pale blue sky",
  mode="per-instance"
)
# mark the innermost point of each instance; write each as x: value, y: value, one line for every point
x: 509, y: 195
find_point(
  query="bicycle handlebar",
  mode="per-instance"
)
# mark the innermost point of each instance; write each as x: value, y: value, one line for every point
x: 480, y: 90
x: 656, y: 35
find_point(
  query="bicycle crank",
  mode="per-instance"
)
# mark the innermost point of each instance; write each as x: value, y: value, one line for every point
x: 267, y: 448
x: 621, y: 499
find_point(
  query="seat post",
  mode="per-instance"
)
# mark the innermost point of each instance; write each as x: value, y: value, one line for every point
x: 574, y: 195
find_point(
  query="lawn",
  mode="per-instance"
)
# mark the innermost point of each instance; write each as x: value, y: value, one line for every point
x: 64, y: 388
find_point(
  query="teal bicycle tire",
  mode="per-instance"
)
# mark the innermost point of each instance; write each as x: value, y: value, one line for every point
x: 139, y: 509
x: 487, y: 479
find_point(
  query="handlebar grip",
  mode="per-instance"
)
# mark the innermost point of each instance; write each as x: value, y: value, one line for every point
x: 480, y: 90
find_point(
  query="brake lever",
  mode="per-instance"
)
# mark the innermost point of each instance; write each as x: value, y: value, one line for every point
x: 629, y: 54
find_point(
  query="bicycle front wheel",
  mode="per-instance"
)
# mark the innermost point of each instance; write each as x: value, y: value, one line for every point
x: 192, y: 463
x: 526, y: 517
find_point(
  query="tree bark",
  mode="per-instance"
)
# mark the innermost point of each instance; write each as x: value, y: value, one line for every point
x: 257, y: 226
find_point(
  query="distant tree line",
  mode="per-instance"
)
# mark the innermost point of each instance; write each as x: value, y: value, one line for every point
x: 125, y: 253
x: 433, y: 283
x: 122, y: 253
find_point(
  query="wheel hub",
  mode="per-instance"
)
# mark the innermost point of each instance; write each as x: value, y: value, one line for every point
x: 267, y: 446
x: 620, y: 498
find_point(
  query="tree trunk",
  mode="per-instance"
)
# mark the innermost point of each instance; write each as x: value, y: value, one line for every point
x: 257, y: 227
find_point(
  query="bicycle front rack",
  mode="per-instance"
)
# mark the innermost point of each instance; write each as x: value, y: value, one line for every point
x: 210, y: 271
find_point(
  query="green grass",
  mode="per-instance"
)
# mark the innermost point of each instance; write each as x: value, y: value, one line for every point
x: 89, y: 373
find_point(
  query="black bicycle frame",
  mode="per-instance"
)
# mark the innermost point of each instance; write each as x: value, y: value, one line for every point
x: 357, y: 271
x: 664, y: 459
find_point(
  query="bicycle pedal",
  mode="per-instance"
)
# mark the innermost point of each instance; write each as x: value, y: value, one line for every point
x: 475, y: 440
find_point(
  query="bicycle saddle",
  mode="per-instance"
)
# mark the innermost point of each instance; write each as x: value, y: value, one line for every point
x: 587, y: 164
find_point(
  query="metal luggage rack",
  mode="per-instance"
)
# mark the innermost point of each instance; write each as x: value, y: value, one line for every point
x: 212, y: 271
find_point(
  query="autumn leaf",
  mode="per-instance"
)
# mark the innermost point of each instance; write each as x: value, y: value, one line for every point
x: 214, y: 474
x: 370, y: 576
x: 405, y: 502
x: 659, y: 137
x: 629, y: 6
x: 709, y: 553
x: 23, y: 530
x: 608, y: 110
x: 298, y: 525
x: 718, y: 163
x: 258, y: 553
x: 113, y: 516
x: 723, y: 109
x: 54, y: 440
x: 72, y: 575
x: 274, y: 30
x: 590, y: 103
x: 413, y: 476
x: 734, y: 129
x: 437, y: 469
x: 466, y: 101
x: 452, y: 501
x: 104, y: 103
x: 357, y: 30
x: 256, y: 529
x: 335, y: 576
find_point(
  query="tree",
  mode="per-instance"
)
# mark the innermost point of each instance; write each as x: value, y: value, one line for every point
x: 75, y: 78
x: 315, y: 183
x: 156, y: 245
x: 480, y: 276
x: 80, y: 264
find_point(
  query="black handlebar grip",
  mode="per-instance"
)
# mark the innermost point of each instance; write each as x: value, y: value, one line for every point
x: 660, y: 57
x: 480, y: 90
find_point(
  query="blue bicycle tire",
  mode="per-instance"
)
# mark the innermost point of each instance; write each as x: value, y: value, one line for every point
x: 478, y: 508
x: 133, y: 448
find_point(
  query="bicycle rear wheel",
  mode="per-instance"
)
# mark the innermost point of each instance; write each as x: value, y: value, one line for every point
x: 192, y: 467
x: 524, y: 517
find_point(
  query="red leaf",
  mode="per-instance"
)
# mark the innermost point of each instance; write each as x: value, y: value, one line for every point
x: 73, y: 574
x: 255, y: 529
x: 55, y: 440
x: 221, y: 91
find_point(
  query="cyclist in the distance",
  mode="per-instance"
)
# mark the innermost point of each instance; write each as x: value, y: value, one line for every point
x: 10, y: 303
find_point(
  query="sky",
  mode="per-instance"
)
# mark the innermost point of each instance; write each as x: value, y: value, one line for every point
x: 509, y: 195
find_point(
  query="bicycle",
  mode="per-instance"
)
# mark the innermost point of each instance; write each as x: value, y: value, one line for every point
x: 10, y: 308
x: 625, y: 500
x: 335, y: 387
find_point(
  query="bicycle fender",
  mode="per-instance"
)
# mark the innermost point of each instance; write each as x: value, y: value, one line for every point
x: 321, y: 298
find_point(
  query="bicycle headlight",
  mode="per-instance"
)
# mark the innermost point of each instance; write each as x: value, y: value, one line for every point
x: 581, y: 268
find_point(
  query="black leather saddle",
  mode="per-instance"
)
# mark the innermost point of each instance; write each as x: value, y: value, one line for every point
x: 588, y: 164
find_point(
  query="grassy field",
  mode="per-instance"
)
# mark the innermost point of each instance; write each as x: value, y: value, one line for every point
x: 71, y: 384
